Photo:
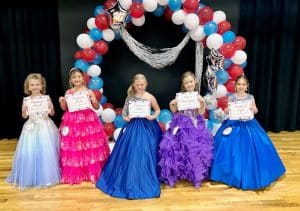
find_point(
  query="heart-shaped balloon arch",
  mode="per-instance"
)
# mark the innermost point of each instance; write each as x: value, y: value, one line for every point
x: 203, y: 25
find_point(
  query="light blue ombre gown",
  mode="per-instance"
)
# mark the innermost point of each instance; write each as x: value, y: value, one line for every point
x: 131, y: 170
x: 245, y: 157
x: 36, y: 160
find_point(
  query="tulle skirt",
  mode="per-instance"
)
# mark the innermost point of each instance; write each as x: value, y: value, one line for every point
x: 84, y: 147
x: 186, y: 151
x: 131, y: 170
x: 245, y: 156
x: 36, y: 160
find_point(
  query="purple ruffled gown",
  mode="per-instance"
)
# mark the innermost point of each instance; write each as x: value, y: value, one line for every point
x: 186, y: 150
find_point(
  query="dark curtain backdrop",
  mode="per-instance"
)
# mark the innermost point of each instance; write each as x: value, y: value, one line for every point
x: 272, y: 30
x: 29, y: 42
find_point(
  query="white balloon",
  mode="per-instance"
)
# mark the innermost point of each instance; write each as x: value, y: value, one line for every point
x: 117, y: 133
x: 108, y: 115
x: 91, y: 23
x: 191, y: 21
x: 178, y: 17
x: 108, y: 35
x: 162, y: 2
x: 150, y: 5
x: 94, y: 70
x: 84, y: 41
x: 210, y: 101
x: 138, y: 21
x: 168, y: 125
x: 125, y: 3
x: 215, y: 129
x: 99, y: 110
x: 101, y: 90
x: 221, y: 91
x: 219, y: 16
x: 239, y: 57
x: 111, y: 145
x: 214, y: 41
x: 198, y: 33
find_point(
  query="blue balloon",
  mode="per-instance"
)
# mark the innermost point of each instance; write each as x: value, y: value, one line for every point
x: 222, y: 76
x: 95, y: 83
x: 98, y: 10
x: 228, y: 37
x: 244, y: 64
x: 175, y: 4
x: 210, y: 28
x: 95, y: 34
x: 159, y: 11
x: 184, y: 29
x: 103, y: 99
x: 81, y: 64
x: 165, y: 116
x: 227, y: 63
x: 98, y: 59
x: 119, y: 121
x: 209, y: 125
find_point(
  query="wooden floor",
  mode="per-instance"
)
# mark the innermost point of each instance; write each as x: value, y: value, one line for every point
x: 282, y: 195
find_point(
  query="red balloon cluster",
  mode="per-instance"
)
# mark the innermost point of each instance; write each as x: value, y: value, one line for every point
x: 98, y: 94
x: 109, y: 129
x: 162, y: 126
x: 205, y: 14
x: 230, y: 85
x: 239, y: 42
x: 190, y: 6
x: 223, y: 27
x: 223, y: 102
x: 108, y: 105
x: 88, y: 54
x: 78, y: 55
x: 227, y: 50
x: 168, y: 14
x: 118, y: 111
x: 102, y: 21
x: 235, y: 70
x: 109, y: 3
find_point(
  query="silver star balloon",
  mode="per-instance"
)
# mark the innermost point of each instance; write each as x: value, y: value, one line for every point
x: 118, y: 15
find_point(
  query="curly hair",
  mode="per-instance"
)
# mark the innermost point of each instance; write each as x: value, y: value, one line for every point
x: 35, y: 76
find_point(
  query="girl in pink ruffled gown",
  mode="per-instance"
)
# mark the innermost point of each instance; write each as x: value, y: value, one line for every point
x: 84, y: 145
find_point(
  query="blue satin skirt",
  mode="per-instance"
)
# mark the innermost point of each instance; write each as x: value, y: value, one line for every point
x: 131, y: 170
x: 245, y: 158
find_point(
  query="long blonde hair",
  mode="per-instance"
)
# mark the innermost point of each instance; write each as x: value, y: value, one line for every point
x: 131, y: 91
x: 185, y: 75
x: 35, y: 76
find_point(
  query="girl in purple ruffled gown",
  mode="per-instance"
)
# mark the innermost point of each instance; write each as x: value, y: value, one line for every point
x: 186, y: 149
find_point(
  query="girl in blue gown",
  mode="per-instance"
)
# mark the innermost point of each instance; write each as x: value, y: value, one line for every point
x: 244, y: 154
x: 36, y: 160
x: 131, y: 170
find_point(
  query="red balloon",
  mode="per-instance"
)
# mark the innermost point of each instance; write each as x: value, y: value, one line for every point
x: 190, y: 6
x: 204, y: 42
x: 102, y: 21
x: 206, y: 114
x: 107, y: 105
x: 136, y: 9
x: 101, y: 47
x: 230, y: 86
x: 239, y: 42
x: 205, y: 14
x: 86, y: 78
x: 223, y: 102
x: 98, y: 94
x: 227, y: 50
x: 223, y: 27
x: 162, y: 126
x: 109, y: 129
x: 77, y: 55
x: 109, y: 4
x: 235, y: 70
x: 168, y: 14
x: 88, y: 54
x: 119, y: 111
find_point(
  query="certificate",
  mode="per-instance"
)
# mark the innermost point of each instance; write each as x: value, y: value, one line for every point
x: 139, y: 108
x: 78, y: 101
x: 240, y: 110
x: 187, y: 100
x: 37, y: 105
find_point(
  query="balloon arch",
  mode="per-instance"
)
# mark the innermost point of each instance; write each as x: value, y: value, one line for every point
x: 206, y: 27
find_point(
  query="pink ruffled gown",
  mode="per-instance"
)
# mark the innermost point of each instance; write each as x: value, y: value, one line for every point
x: 84, y: 147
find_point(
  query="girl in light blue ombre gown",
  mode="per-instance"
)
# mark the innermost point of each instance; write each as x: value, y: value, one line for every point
x: 36, y: 160
x: 244, y: 155
x: 131, y: 170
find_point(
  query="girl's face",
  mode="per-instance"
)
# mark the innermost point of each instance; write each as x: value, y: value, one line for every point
x: 76, y: 79
x: 189, y: 83
x: 35, y: 86
x: 241, y: 85
x: 140, y: 85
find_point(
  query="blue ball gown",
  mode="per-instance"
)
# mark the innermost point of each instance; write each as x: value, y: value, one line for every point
x: 244, y: 155
x: 36, y: 160
x: 131, y: 170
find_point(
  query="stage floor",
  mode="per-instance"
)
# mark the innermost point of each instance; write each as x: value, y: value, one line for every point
x: 282, y: 195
